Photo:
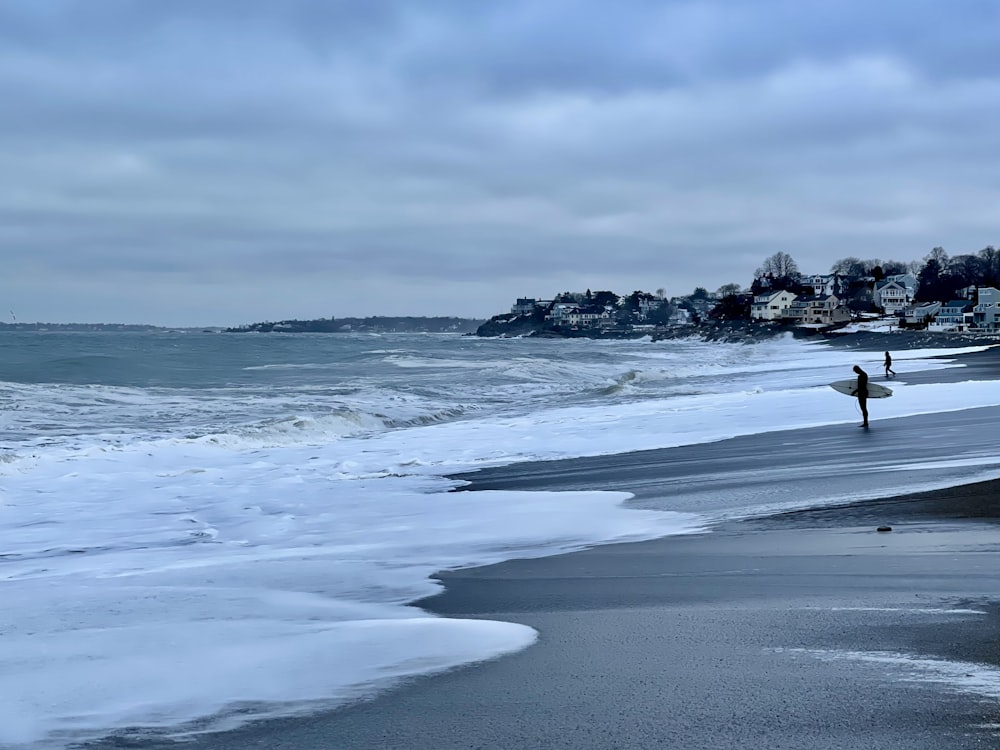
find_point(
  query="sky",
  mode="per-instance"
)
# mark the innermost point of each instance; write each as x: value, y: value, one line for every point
x: 233, y: 161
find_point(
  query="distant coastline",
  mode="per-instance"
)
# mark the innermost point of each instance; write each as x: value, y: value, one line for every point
x: 87, y: 327
x: 377, y: 324
x: 734, y: 331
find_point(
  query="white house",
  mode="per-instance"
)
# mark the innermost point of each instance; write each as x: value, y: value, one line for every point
x: 954, y: 316
x: 560, y: 310
x: 919, y: 314
x: 771, y: 305
x: 906, y: 279
x: 892, y: 296
x: 824, y: 283
x: 986, y: 314
x: 588, y: 319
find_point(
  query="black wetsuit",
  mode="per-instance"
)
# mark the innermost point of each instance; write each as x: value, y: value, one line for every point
x: 863, y: 394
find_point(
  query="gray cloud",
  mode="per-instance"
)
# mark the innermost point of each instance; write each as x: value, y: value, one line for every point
x: 239, y: 160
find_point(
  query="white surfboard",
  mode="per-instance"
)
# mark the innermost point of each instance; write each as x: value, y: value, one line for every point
x: 848, y: 387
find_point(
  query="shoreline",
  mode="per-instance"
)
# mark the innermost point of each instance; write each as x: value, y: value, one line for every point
x: 801, y: 628
x: 806, y: 629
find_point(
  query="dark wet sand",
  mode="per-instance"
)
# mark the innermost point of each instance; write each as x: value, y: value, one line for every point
x: 735, y: 638
x: 723, y: 640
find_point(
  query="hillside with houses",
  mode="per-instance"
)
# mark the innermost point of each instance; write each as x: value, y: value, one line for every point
x: 960, y: 294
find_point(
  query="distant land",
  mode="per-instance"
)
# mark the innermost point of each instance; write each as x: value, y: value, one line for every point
x: 84, y: 327
x: 364, y: 325
x: 377, y: 324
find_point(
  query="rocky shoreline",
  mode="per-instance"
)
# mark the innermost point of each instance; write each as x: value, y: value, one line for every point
x: 748, y: 332
x: 904, y: 339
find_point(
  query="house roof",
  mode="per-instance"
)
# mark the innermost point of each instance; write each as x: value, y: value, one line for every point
x: 766, y: 297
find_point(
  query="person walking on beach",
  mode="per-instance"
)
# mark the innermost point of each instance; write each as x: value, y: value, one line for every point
x: 862, y: 393
x: 888, y: 366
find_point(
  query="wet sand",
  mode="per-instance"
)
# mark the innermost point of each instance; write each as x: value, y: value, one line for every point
x: 739, y: 638
x: 801, y: 629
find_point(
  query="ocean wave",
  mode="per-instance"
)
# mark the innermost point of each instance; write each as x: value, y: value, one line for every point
x: 290, y: 366
x: 622, y: 382
x: 437, y: 417
x: 294, y: 429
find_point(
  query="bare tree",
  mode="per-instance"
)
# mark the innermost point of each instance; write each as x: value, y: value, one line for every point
x: 779, y: 266
x: 778, y: 272
x: 937, y: 254
x: 728, y: 289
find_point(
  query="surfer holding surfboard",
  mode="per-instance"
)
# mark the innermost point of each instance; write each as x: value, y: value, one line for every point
x: 861, y: 391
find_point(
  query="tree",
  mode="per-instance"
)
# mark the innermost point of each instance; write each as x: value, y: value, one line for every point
x: 990, y: 258
x: 661, y: 315
x: 937, y: 280
x: 928, y: 281
x: 733, y: 306
x: 631, y: 302
x: 895, y: 267
x: 779, y: 265
x: 939, y: 254
x: 967, y: 270
x: 777, y: 272
x: 850, y: 266
x: 699, y: 292
x: 604, y: 299
x: 727, y: 290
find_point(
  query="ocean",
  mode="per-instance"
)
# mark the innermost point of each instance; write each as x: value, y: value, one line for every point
x: 203, y: 529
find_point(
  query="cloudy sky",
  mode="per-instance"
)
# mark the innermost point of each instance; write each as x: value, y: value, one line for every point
x: 215, y: 162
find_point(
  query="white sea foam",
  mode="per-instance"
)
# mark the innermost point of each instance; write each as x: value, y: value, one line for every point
x: 268, y: 538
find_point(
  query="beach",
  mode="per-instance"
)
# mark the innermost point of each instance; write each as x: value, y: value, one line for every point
x: 796, y: 631
x: 802, y: 628
x: 437, y: 542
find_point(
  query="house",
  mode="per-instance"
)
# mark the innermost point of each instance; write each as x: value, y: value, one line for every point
x: 818, y: 309
x: 986, y: 314
x: 966, y: 292
x: 559, y: 311
x: 825, y: 283
x: 906, y: 279
x: 698, y: 305
x: 524, y: 306
x: 918, y: 315
x: 954, y: 316
x: 646, y: 306
x: 580, y: 319
x: 892, y: 295
x: 771, y: 305
x: 679, y: 316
